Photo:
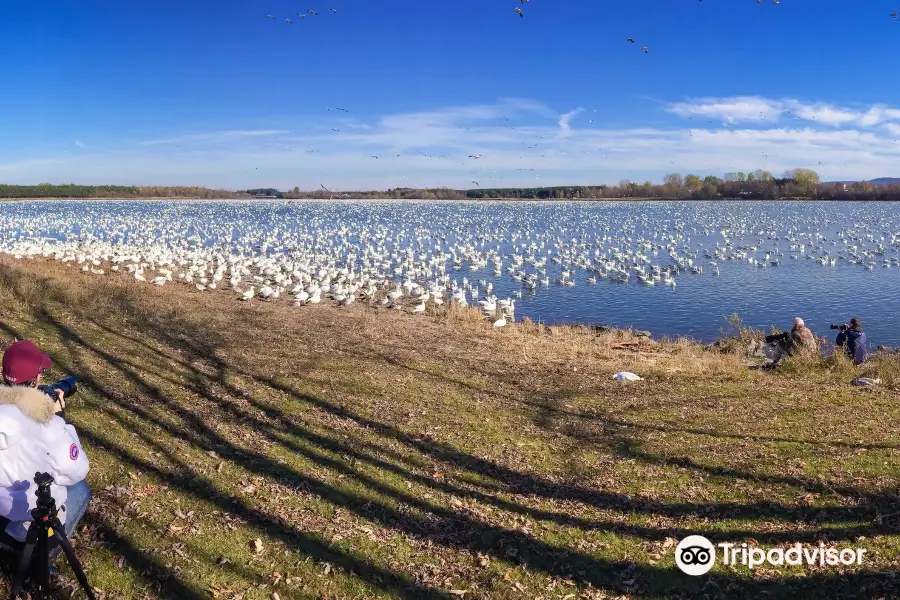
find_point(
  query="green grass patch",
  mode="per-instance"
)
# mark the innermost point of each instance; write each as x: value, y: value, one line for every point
x: 246, y: 451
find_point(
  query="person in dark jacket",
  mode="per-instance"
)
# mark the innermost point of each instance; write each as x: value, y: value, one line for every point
x: 853, y: 341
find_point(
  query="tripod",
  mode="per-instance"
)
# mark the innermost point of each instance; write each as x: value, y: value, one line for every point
x: 45, y: 522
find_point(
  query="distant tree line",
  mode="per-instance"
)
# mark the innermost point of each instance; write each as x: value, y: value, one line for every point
x: 395, y: 194
x: 71, y: 190
x: 263, y: 192
x: 755, y: 185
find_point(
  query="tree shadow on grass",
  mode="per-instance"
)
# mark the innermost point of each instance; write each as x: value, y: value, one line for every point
x: 183, y: 477
x: 150, y: 570
x: 193, y: 423
x: 505, y: 480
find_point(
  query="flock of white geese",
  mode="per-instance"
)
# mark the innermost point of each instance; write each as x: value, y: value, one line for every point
x: 416, y: 256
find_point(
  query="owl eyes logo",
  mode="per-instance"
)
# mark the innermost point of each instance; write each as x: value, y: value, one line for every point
x: 695, y: 555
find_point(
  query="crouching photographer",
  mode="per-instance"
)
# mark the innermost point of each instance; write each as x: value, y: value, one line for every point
x: 799, y: 340
x: 853, y: 340
x: 35, y: 438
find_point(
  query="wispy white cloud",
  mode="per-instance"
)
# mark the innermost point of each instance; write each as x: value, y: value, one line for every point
x: 756, y: 109
x: 565, y: 129
x: 519, y: 143
x: 739, y: 109
x: 823, y: 113
x: 79, y: 143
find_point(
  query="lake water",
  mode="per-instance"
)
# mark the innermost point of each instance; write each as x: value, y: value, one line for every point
x: 572, y: 232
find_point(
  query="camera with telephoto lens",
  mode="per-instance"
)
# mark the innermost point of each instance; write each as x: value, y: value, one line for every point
x: 842, y: 327
x: 776, y: 337
x: 68, y: 385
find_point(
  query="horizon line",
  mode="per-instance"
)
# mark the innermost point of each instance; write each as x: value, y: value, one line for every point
x: 425, y: 188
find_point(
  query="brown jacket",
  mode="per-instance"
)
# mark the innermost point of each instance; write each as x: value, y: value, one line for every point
x: 804, y: 341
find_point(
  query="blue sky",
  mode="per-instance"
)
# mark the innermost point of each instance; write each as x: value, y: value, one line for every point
x: 216, y: 94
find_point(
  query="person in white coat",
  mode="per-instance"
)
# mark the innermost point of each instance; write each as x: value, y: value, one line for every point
x: 34, y: 437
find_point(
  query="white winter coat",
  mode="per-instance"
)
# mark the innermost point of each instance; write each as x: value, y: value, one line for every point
x: 32, y: 440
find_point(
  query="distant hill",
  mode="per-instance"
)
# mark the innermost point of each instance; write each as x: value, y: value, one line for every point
x: 877, y: 181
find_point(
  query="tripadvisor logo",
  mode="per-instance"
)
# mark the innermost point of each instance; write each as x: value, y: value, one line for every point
x: 696, y: 555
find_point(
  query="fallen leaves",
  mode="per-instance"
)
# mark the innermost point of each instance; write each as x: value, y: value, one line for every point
x: 477, y: 488
x: 179, y: 549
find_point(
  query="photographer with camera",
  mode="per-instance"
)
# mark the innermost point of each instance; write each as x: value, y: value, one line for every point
x: 853, y: 340
x: 799, y: 340
x: 34, y: 437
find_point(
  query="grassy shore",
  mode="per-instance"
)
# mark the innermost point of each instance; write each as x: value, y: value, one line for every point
x: 251, y: 451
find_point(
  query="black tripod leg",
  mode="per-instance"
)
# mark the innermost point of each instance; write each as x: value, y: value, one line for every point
x: 25, y: 561
x: 73, y: 561
x: 42, y: 564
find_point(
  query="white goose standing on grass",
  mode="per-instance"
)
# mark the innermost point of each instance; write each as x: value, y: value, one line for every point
x: 249, y: 294
x: 395, y: 295
x: 460, y: 298
x: 489, y: 304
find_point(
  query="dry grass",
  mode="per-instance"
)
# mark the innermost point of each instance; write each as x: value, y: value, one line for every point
x: 375, y: 453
